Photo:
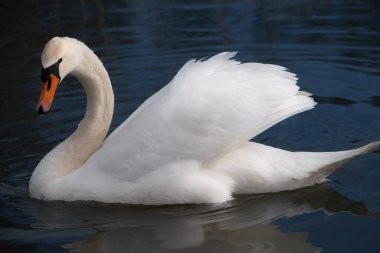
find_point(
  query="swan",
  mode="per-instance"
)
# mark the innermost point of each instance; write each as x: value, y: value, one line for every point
x: 188, y: 143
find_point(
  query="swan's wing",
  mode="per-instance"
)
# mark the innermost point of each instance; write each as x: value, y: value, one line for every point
x: 208, y: 109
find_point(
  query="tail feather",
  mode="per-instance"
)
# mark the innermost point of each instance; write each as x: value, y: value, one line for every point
x: 257, y: 168
x: 330, y: 161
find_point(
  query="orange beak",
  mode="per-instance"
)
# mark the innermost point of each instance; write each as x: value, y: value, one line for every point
x: 47, y: 94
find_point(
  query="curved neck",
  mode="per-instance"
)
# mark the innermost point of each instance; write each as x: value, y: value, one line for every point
x: 92, y: 130
x: 88, y: 137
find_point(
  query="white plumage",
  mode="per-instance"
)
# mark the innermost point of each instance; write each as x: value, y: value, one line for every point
x: 188, y: 143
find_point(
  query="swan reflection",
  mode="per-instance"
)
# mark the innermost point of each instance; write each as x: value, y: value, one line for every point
x: 245, y: 224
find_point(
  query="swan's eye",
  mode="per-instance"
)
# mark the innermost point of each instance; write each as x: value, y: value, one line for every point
x: 53, y: 69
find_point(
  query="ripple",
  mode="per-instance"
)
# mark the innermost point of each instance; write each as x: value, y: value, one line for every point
x: 332, y: 45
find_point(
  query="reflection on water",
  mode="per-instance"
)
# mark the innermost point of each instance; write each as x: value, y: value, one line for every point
x: 247, y: 223
x: 334, y: 47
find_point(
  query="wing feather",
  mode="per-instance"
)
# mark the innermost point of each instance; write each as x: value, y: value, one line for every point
x: 209, y: 108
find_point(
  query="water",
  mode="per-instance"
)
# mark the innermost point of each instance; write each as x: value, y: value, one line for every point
x: 333, y: 46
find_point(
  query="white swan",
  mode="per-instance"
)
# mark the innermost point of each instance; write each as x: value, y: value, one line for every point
x: 188, y: 143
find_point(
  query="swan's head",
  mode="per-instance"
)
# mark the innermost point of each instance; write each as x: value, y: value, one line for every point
x: 59, y: 57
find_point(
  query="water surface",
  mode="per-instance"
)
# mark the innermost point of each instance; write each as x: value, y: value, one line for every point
x: 333, y: 46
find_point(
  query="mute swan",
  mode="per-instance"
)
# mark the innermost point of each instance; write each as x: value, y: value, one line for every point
x: 188, y: 143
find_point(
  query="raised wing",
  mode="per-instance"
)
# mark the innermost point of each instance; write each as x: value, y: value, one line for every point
x: 209, y: 108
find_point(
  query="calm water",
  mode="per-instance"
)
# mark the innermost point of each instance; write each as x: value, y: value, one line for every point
x: 333, y: 46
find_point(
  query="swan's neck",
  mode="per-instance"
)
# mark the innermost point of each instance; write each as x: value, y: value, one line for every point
x: 88, y: 137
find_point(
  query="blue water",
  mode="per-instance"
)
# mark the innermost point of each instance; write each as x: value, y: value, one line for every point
x: 333, y: 46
